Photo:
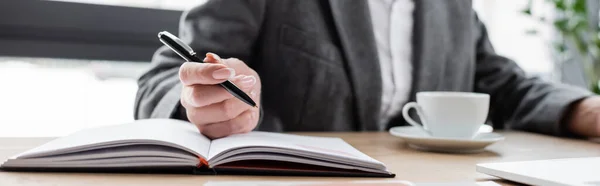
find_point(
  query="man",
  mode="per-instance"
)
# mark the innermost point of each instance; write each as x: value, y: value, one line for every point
x: 317, y: 65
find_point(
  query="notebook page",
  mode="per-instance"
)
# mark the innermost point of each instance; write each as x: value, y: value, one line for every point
x: 322, y: 145
x: 167, y: 130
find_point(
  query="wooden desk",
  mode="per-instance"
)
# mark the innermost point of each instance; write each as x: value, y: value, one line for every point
x: 408, y: 164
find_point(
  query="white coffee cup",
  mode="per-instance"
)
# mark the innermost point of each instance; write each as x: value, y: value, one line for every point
x: 449, y: 114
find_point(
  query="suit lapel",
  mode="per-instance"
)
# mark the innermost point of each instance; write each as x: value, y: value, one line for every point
x: 427, y: 52
x: 353, y: 23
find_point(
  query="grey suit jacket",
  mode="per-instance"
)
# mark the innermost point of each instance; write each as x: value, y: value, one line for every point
x: 318, y: 64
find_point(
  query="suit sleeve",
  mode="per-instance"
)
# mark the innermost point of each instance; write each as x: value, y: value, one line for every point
x: 517, y: 101
x: 228, y: 28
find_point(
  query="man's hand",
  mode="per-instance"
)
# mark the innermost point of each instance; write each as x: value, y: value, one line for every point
x: 216, y: 112
x: 585, y: 118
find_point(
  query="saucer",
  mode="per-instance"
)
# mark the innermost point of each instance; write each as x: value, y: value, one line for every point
x: 417, y: 139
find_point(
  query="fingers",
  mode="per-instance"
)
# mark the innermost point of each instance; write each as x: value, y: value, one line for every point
x: 213, y: 58
x: 191, y: 73
x: 235, y: 63
x: 211, y: 103
x: 193, y: 96
x: 202, y: 95
x: 214, y: 71
x: 218, y: 112
x: 245, y: 122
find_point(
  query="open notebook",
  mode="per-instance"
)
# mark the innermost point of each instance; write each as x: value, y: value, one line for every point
x: 157, y: 145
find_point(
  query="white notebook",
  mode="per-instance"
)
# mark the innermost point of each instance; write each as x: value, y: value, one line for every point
x: 157, y: 145
x: 553, y: 172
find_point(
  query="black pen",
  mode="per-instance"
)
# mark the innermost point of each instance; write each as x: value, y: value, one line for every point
x: 189, y: 55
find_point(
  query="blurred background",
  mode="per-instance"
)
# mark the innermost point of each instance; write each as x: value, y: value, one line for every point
x: 72, y: 64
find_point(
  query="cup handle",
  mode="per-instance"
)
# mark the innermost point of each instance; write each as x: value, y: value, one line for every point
x: 412, y: 122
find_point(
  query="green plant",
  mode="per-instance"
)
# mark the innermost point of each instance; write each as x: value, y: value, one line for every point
x: 577, y: 36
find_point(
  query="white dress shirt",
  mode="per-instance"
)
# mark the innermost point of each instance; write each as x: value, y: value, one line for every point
x: 392, y: 25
